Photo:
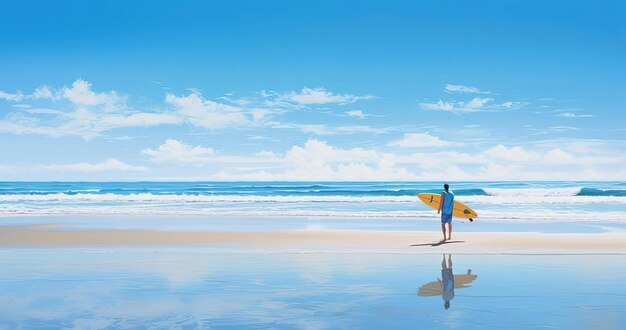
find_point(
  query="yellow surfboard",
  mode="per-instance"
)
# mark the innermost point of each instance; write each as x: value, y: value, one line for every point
x: 460, y: 210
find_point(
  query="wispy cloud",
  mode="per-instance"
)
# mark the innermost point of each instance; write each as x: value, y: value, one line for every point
x: 178, y: 152
x: 573, y: 115
x: 477, y: 104
x: 319, y: 160
x: 514, y: 154
x: 312, y: 96
x: 356, y: 113
x: 111, y: 164
x: 450, y: 88
x: 419, y: 140
x: 12, y: 97
x: 78, y: 110
x: 323, y: 129
x: 206, y: 113
x: 562, y: 128
x: 81, y: 94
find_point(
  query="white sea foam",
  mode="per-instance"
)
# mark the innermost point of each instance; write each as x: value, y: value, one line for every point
x: 486, y: 215
x: 539, y: 200
x: 524, y: 198
x: 147, y: 197
x: 533, y: 192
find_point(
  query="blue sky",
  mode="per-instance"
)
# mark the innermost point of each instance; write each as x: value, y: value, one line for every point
x: 312, y: 90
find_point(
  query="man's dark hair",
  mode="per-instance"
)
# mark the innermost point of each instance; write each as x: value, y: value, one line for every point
x: 446, y: 186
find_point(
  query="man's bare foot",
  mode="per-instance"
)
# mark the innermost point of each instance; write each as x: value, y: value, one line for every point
x: 443, y: 240
x: 449, y: 238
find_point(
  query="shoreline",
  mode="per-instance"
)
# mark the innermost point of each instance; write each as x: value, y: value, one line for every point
x: 371, y: 241
x: 302, y: 223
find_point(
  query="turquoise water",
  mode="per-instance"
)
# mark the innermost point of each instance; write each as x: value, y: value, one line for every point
x: 494, y: 201
x: 167, y: 289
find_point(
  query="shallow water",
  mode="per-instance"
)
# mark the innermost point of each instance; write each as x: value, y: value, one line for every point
x: 494, y: 201
x: 187, y: 289
x: 246, y: 223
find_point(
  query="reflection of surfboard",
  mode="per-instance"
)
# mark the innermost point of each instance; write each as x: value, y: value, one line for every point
x: 434, y: 288
x: 460, y: 210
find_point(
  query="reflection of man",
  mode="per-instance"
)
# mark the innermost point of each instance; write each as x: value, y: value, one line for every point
x: 445, y: 286
x: 447, y: 282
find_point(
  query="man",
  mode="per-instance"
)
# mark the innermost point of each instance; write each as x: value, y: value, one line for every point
x: 446, y: 205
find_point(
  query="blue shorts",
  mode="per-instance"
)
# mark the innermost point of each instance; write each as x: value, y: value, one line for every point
x: 446, y: 218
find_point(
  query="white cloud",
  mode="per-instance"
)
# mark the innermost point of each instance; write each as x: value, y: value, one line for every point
x: 320, y: 95
x: 42, y: 92
x: 419, y: 140
x: 563, y: 128
x: 79, y: 111
x: 476, y: 104
x: 81, y: 94
x: 514, y: 154
x: 560, y: 156
x: 356, y: 113
x: 22, y: 106
x: 12, y: 97
x: 321, y: 129
x: 266, y: 154
x: 143, y: 119
x: 259, y: 116
x: 317, y: 152
x: 316, y: 160
x: 573, y: 115
x: 206, y: 113
x: 178, y: 152
x: 111, y: 164
x: 450, y: 88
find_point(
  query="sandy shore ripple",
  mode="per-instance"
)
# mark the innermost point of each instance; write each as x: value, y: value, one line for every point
x: 316, y: 240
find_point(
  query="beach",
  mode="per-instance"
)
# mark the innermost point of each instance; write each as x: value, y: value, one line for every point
x: 309, y: 256
x: 78, y: 276
x: 317, y: 240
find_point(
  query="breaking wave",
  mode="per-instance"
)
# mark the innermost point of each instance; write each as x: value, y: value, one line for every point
x: 536, y: 196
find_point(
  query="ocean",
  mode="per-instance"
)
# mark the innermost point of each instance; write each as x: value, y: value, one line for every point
x: 494, y: 201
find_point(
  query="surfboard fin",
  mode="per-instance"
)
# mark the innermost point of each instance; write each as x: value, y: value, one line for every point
x: 471, y: 220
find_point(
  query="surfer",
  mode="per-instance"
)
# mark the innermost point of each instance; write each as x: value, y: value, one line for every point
x: 446, y: 207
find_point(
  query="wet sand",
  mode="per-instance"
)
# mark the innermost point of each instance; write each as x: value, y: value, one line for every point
x: 55, y: 236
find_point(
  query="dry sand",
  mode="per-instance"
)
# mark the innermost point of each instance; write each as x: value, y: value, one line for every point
x: 316, y: 240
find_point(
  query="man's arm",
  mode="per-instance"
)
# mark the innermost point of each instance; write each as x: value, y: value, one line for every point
x: 441, y: 203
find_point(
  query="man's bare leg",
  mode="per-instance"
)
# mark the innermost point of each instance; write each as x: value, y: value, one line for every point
x: 443, y: 229
x: 449, y: 231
